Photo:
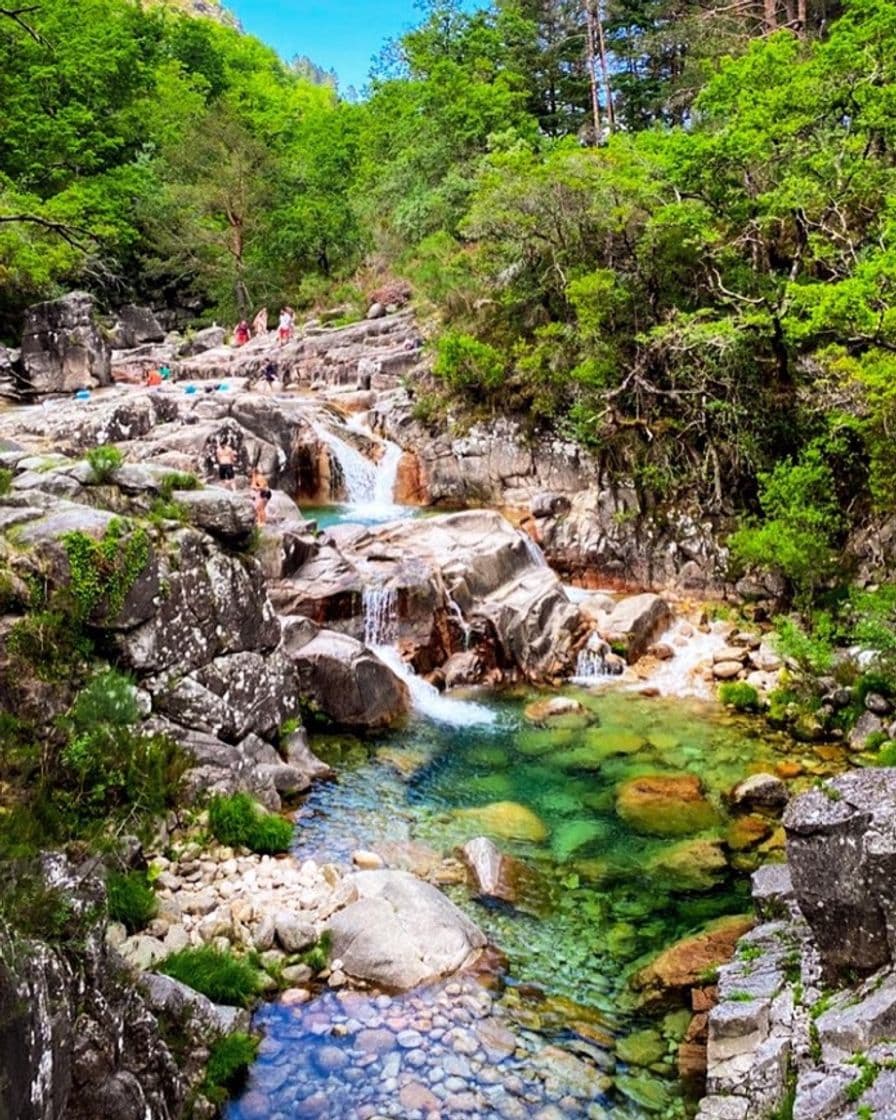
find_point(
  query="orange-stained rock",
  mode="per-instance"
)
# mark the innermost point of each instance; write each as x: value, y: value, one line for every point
x: 665, y: 805
x: 746, y: 832
x: 410, y: 482
x: 788, y: 769
x: 686, y: 963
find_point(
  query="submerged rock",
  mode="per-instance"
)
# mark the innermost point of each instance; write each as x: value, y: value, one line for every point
x: 689, y: 961
x: 665, y: 805
x: 401, y: 932
x: 508, y: 820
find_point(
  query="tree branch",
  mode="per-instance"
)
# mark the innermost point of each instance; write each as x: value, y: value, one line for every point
x: 67, y: 233
x: 15, y: 14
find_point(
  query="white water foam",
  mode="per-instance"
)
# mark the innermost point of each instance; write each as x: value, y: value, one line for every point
x: 369, y: 486
x: 535, y: 554
x: 682, y: 675
x: 381, y: 633
x: 428, y: 701
x: 591, y: 668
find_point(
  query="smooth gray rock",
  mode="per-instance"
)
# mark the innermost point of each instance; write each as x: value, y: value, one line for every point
x: 635, y: 622
x: 226, y: 514
x: 202, y: 341
x: 293, y: 934
x: 401, y: 932
x: 350, y: 685
x: 177, y: 1000
x: 135, y: 326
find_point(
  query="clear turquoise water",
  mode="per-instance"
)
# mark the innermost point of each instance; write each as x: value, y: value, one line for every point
x: 599, y: 905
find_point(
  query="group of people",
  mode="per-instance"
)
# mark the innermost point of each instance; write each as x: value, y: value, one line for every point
x: 285, y: 328
x: 226, y: 458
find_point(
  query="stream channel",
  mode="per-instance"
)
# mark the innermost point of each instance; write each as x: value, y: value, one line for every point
x: 555, y: 1031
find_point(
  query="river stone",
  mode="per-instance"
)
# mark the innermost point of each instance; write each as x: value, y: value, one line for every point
x: 401, y: 932
x: 507, y: 820
x: 553, y: 709
x: 665, y: 805
x: 688, y: 961
x: 760, y: 791
x: 642, y: 1048
x: 691, y: 865
x: 841, y: 842
x: 635, y: 622
x: 570, y: 836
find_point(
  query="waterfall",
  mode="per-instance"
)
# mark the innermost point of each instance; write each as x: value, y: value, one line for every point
x: 591, y: 666
x: 535, y: 553
x: 428, y: 701
x: 387, y: 475
x: 380, y: 606
x: 369, y: 486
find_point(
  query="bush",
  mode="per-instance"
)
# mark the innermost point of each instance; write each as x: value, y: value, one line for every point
x: 812, y: 648
x: 104, y: 462
x: 6, y: 477
x: 739, y: 695
x: 240, y: 822
x: 464, y: 363
x: 132, y: 900
x: 228, y: 1064
x: 223, y: 977
x: 178, y: 480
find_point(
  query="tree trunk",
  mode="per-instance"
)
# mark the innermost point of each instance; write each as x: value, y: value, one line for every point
x: 770, y: 14
x: 592, y: 71
x: 604, y: 67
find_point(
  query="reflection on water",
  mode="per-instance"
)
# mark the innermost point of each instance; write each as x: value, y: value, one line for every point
x: 608, y: 891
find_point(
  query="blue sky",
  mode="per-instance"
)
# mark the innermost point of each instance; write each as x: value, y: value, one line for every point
x: 342, y: 34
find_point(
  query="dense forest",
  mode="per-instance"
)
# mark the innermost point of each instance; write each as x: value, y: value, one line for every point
x: 663, y: 227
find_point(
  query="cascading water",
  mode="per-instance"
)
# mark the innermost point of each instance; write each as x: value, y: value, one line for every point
x: 591, y: 666
x: 369, y: 486
x: 380, y: 606
x: 535, y: 553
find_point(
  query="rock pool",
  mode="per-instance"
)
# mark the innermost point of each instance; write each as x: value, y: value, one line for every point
x: 618, y: 810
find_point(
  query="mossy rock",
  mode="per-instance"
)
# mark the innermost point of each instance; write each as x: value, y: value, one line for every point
x: 561, y: 712
x: 650, y: 1093
x: 665, y: 805
x: 494, y: 787
x: 570, y: 836
x: 508, y: 820
x: 534, y: 742
x: 642, y: 1048
x: 691, y: 865
x: 488, y: 756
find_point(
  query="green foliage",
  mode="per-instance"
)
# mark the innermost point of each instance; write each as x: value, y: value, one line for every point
x: 739, y: 695
x: 104, y: 571
x: 811, y: 647
x: 238, y: 820
x: 467, y: 365
x: 34, y: 910
x: 318, y: 956
x: 223, y: 977
x: 6, y: 477
x: 886, y: 756
x: 49, y: 644
x: 228, y: 1063
x: 131, y: 900
x: 801, y: 519
x: 178, y: 480
x: 104, y: 462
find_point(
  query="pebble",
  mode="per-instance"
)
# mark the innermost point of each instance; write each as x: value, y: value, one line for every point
x: 409, y: 1040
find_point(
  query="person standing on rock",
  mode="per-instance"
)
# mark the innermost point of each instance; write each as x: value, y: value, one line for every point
x: 225, y: 457
x: 284, y: 331
x: 260, y: 323
x: 241, y: 335
x: 261, y: 495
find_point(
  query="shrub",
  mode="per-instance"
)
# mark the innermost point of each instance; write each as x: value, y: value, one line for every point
x: 104, y: 571
x: 318, y: 956
x: 886, y: 756
x: 132, y: 900
x: 465, y: 363
x: 222, y: 976
x: 239, y: 821
x: 178, y: 480
x: 104, y: 462
x: 6, y: 477
x: 739, y: 695
x: 228, y: 1063
x: 812, y: 647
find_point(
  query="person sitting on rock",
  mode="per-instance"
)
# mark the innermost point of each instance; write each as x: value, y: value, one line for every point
x: 225, y: 457
x: 165, y: 371
x: 260, y: 323
x: 153, y: 378
x: 241, y: 335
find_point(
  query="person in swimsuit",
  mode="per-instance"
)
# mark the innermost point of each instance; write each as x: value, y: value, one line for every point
x: 260, y: 323
x: 261, y: 495
x: 225, y: 457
